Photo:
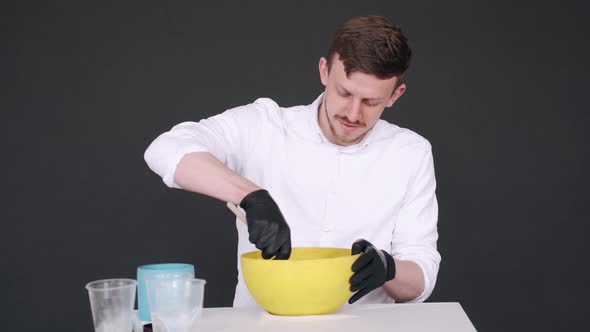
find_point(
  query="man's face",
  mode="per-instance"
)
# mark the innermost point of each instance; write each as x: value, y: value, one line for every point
x: 352, y: 105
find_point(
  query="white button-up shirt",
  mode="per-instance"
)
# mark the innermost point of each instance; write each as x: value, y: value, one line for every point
x: 381, y: 189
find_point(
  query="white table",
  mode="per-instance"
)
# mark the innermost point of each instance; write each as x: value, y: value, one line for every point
x: 371, y: 317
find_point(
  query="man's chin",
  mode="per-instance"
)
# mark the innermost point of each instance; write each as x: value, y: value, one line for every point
x: 348, y: 139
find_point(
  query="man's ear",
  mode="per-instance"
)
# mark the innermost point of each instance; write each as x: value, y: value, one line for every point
x: 398, y: 92
x: 323, y: 68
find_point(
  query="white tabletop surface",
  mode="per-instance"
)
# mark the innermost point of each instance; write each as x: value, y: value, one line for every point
x: 372, y: 317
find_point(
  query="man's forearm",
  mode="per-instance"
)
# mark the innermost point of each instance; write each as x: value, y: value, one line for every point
x: 202, y: 173
x: 408, y: 283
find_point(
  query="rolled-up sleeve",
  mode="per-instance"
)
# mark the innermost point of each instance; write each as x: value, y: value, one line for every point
x: 415, y: 234
x: 227, y: 136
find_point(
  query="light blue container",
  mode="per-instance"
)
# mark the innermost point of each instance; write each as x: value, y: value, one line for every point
x: 155, y: 270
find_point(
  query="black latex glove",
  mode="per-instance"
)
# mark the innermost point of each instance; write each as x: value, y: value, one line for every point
x: 372, y: 269
x: 266, y: 225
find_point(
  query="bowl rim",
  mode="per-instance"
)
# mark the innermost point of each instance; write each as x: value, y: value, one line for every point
x: 249, y: 253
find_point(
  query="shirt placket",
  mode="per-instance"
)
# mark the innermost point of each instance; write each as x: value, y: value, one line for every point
x: 329, y: 220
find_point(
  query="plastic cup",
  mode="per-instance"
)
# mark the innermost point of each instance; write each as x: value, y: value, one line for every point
x: 162, y: 270
x: 111, y: 302
x: 176, y: 303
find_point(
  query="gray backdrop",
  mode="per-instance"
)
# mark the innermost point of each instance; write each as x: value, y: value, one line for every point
x: 498, y: 88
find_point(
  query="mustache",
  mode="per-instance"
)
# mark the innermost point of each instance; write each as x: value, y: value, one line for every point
x: 348, y: 122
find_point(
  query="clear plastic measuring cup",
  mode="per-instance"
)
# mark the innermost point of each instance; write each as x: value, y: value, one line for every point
x: 111, y: 302
x: 175, y: 303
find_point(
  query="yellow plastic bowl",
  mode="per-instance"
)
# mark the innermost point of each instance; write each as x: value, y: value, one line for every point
x: 313, y: 281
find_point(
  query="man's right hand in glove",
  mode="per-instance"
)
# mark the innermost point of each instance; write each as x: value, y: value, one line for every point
x: 266, y: 225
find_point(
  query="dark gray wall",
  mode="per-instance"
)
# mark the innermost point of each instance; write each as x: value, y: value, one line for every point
x: 498, y: 88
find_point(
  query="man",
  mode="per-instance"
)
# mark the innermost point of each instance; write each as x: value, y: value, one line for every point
x: 329, y: 174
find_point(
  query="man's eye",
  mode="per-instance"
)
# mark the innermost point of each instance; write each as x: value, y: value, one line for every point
x: 344, y: 94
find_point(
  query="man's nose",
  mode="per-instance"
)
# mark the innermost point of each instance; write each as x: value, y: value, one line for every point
x: 355, y: 112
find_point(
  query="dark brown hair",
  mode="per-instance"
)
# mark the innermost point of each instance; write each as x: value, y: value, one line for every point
x: 372, y: 45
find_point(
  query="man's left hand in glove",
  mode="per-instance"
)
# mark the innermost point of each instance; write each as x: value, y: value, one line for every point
x: 372, y: 269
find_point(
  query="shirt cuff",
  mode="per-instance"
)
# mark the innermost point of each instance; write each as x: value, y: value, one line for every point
x: 168, y: 177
